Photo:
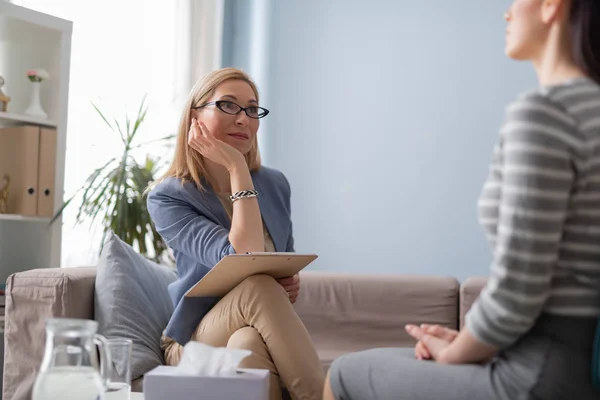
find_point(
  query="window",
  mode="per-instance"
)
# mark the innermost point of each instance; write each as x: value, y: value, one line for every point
x: 121, y: 51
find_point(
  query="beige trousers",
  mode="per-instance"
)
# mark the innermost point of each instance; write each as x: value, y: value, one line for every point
x: 258, y: 316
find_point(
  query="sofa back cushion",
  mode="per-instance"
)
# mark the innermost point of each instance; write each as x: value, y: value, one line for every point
x: 469, y: 292
x: 349, y: 312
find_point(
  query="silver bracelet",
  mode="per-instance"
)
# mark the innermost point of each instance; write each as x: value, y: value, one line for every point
x: 244, y: 194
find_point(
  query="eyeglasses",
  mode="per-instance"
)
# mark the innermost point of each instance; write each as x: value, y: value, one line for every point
x: 229, y: 107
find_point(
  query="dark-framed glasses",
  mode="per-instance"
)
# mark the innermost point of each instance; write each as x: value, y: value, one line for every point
x: 229, y: 107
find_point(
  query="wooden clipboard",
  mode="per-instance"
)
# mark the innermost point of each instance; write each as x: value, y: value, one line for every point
x: 233, y: 269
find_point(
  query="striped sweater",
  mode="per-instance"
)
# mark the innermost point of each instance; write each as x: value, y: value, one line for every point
x: 540, y: 207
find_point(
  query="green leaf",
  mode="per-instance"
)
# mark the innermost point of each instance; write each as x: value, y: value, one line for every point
x: 103, y: 201
x: 121, y: 134
x: 109, y: 124
x: 61, y: 209
x: 113, y: 195
x: 163, y: 139
x: 141, y: 115
x: 141, y: 111
x: 103, y: 117
x: 89, y: 181
x: 92, y: 190
x: 128, y: 129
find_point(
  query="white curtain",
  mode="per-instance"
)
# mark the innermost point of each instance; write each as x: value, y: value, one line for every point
x: 199, y: 42
x: 121, y: 51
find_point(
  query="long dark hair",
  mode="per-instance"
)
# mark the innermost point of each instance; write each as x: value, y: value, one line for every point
x: 585, y: 31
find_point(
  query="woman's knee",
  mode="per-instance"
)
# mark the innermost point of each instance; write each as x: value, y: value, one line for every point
x: 332, y: 383
x: 347, y: 367
x: 256, y: 295
x: 172, y: 353
x: 263, y: 282
x: 327, y: 391
x: 336, y: 367
x: 246, y: 338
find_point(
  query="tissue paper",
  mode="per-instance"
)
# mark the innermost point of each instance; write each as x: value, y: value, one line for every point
x: 209, y: 371
x: 200, y: 359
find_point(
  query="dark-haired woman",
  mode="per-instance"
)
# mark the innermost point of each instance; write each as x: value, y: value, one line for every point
x: 531, y: 333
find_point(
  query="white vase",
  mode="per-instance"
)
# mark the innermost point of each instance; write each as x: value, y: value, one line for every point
x: 35, y: 108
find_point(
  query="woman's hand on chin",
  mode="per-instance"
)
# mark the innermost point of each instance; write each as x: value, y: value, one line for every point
x: 219, y: 152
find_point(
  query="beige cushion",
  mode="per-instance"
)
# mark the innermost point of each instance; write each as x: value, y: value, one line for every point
x: 31, y: 298
x: 469, y: 292
x: 345, y: 313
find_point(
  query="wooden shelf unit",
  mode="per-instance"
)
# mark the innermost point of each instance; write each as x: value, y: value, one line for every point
x: 11, y: 118
x: 30, y: 39
x: 23, y: 218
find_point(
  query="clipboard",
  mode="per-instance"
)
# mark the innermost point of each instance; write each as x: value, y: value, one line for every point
x: 233, y: 269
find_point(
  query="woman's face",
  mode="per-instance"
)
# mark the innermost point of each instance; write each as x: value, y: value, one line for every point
x: 526, y: 31
x: 238, y: 130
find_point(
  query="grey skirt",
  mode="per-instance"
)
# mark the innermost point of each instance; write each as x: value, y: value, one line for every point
x: 552, y: 361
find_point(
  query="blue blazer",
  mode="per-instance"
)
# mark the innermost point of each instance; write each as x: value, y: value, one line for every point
x: 196, y: 227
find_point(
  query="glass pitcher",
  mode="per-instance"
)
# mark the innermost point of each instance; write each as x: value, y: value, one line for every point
x: 69, y: 369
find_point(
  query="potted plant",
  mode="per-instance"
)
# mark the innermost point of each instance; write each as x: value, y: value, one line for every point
x: 114, y: 193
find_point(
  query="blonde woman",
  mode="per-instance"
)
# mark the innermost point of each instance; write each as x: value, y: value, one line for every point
x: 217, y: 200
x: 530, y: 335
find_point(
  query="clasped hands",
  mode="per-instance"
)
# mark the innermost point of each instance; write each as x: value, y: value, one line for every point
x: 432, y: 341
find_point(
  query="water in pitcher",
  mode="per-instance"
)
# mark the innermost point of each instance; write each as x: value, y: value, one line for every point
x: 69, y: 383
x: 70, y: 368
x: 117, y: 391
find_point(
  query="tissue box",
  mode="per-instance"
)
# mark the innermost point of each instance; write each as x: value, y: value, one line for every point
x: 164, y: 382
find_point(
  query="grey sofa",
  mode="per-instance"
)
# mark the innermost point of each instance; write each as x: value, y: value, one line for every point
x: 342, y: 312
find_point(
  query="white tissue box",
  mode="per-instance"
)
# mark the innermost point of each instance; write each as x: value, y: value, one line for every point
x: 166, y: 383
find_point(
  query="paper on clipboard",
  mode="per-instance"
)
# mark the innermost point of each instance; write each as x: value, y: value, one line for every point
x: 233, y: 269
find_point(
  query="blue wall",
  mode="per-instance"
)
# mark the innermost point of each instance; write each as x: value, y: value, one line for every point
x: 384, y: 114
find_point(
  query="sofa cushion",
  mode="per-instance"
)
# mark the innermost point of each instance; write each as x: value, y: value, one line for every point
x: 469, y: 292
x: 131, y: 301
x: 345, y: 313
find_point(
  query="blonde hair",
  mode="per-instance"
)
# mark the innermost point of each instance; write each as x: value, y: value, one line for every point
x: 188, y: 165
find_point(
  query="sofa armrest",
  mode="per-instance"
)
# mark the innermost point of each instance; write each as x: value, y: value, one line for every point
x: 32, y: 297
x: 469, y: 292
